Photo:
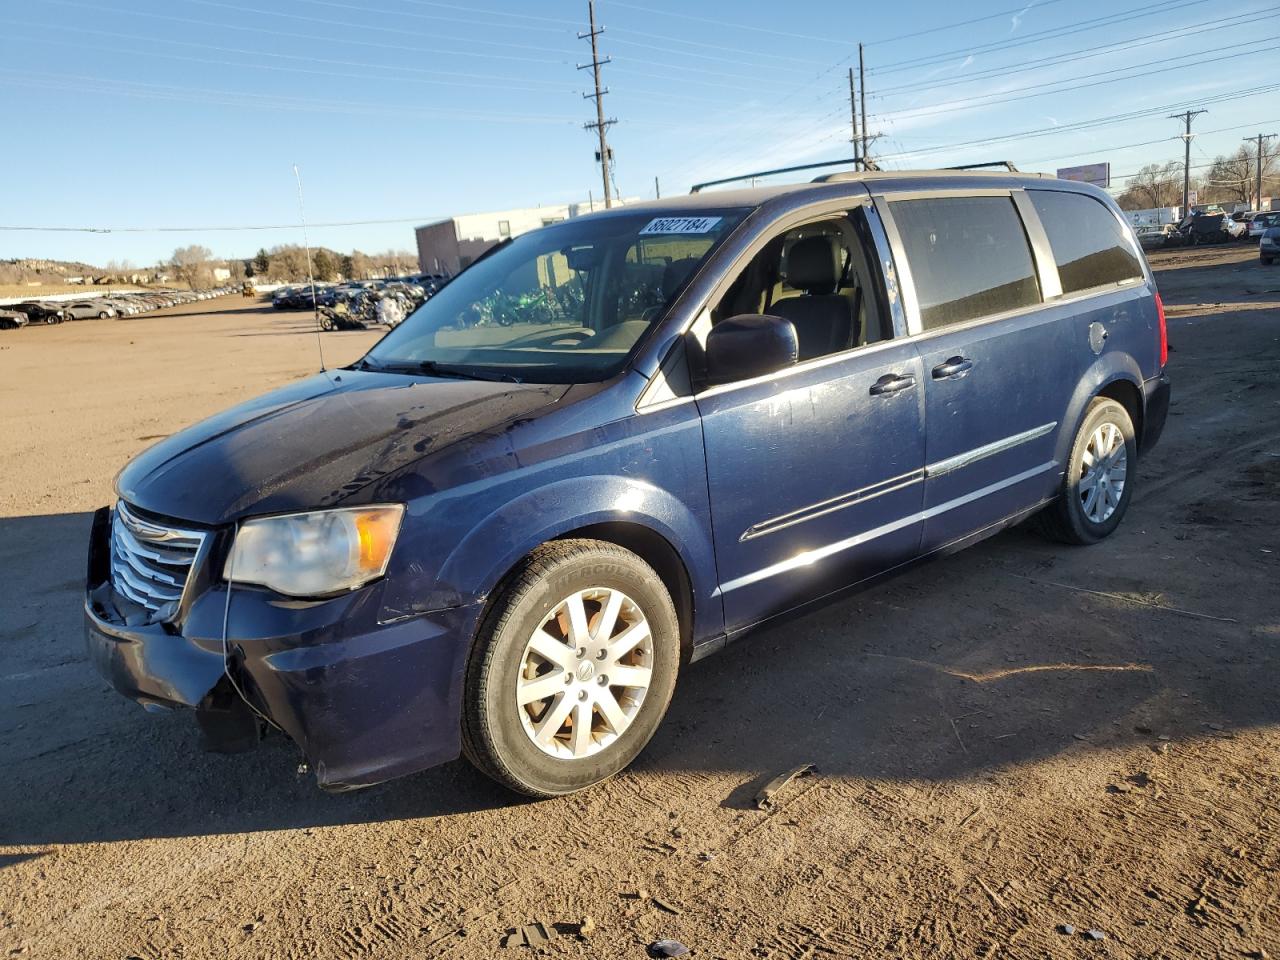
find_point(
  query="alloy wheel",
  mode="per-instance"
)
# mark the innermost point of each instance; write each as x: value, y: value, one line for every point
x: 584, y: 673
x: 1103, y: 468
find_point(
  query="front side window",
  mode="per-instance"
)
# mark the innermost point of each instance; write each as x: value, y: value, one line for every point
x: 563, y: 304
x: 821, y: 276
x: 969, y: 257
x: 1088, y: 243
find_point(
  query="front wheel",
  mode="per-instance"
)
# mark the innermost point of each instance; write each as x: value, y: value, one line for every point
x: 572, y: 670
x: 1098, y: 483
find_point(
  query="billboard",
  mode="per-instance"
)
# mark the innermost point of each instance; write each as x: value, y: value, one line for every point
x: 1099, y: 174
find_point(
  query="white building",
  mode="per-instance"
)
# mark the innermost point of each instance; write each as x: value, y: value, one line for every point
x: 448, y: 246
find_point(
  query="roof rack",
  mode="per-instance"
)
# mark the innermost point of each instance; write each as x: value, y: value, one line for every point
x: 1007, y: 164
x: 698, y: 187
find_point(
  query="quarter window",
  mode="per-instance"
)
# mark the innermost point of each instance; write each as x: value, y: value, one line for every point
x: 1088, y: 243
x: 969, y: 257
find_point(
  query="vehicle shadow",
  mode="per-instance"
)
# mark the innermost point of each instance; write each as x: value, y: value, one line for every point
x: 986, y: 659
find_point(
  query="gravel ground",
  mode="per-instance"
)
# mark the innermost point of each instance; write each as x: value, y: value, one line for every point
x: 999, y: 751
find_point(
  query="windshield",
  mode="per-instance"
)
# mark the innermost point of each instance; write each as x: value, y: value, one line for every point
x: 563, y: 304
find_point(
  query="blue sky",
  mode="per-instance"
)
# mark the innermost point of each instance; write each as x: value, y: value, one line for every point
x: 168, y: 113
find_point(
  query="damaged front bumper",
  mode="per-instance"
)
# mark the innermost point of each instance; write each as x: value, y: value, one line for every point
x: 364, y: 699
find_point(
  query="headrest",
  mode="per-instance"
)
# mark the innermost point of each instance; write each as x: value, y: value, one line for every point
x: 676, y: 273
x: 813, y: 265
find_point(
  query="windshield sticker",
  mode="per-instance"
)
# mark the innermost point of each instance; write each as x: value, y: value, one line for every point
x: 680, y: 225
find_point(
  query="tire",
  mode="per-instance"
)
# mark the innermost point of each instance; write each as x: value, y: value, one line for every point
x: 1072, y: 518
x: 1266, y: 261
x: 326, y: 323
x: 498, y: 733
x: 102, y: 315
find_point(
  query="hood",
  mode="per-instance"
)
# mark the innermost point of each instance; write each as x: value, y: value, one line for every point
x: 316, y: 442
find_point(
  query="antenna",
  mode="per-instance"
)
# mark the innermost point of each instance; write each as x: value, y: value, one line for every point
x: 306, y: 245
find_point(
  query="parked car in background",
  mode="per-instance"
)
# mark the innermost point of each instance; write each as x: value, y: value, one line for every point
x: 12, y: 319
x: 1261, y: 222
x: 88, y: 309
x: 1156, y: 235
x: 1203, y: 228
x: 616, y: 444
x: 1269, y: 245
x: 40, y: 312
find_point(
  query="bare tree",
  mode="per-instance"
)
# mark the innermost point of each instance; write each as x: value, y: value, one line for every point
x: 191, y: 265
x: 1156, y: 185
x: 1230, y: 178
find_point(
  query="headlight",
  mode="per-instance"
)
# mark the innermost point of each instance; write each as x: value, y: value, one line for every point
x: 313, y: 554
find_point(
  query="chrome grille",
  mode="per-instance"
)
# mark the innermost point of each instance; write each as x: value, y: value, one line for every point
x: 150, y: 562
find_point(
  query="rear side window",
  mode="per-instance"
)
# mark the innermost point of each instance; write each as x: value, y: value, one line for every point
x: 969, y: 257
x: 1088, y: 243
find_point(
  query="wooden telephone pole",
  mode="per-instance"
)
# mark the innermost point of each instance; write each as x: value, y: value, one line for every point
x: 601, y: 124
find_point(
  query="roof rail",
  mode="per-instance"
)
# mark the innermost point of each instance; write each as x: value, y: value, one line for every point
x: 698, y: 187
x: 1007, y: 164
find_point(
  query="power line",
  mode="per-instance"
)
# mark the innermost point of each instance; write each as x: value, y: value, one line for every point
x: 1022, y: 8
x: 274, y: 101
x: 771, y: 31
x: 1054, y: 33
x: 220, y: 228
x: 418, y: 16
x: 128, y: 14
x: 357, y: 26
x: 1098, y: 121
x: 1088, y: 53
x: 970, y: 103
x: 470, y: 81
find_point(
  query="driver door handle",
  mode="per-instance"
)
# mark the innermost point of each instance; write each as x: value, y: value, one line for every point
x: 892, y: 383
x: 953, y: 369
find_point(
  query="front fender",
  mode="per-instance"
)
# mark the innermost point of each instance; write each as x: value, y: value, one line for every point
x: 481, y: 559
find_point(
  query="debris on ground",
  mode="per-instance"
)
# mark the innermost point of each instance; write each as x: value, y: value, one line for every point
x: 1095, y: 935
x: 1066, y: 929
x: 765, y: 798
x: 668, y: 948
x: 534, y: 934
x: 663, y: 905
x: 586, y: 928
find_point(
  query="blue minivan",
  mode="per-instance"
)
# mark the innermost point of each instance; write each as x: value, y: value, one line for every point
x: 612, y: 446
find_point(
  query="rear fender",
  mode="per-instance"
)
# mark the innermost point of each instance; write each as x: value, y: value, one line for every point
x: 1106, y: 370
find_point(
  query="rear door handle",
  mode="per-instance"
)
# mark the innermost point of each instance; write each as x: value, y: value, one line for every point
x: 953, y: 369
x: 892, y: 383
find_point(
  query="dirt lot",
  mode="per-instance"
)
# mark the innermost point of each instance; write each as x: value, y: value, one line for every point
x: 999, y: 751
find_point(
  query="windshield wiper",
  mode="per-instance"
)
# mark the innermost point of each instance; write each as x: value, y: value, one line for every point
x: 436, y: 368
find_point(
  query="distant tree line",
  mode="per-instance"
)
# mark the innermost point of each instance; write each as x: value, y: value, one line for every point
x: 288, y: 263
x: 1230, y: 179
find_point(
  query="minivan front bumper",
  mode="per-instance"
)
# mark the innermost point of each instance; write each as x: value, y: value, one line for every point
x: 364, y: 700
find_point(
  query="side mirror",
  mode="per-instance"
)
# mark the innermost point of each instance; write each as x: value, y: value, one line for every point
x: 749, y: 345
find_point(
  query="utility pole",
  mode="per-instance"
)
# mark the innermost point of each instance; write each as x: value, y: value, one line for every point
x: 862, y: 86
x: 853, y: 110
x: 1186, y: 162
x: 1257, y: 197
x: 601, y: 124
x: 657, y: 189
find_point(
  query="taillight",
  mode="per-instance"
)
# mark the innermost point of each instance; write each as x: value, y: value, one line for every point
x: 1164, y: 331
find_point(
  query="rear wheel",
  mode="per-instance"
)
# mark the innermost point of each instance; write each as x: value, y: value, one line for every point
x: 1266, y: 261
x: 102, y: 315
x: 1098, y: 483
x: 572, y: 671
